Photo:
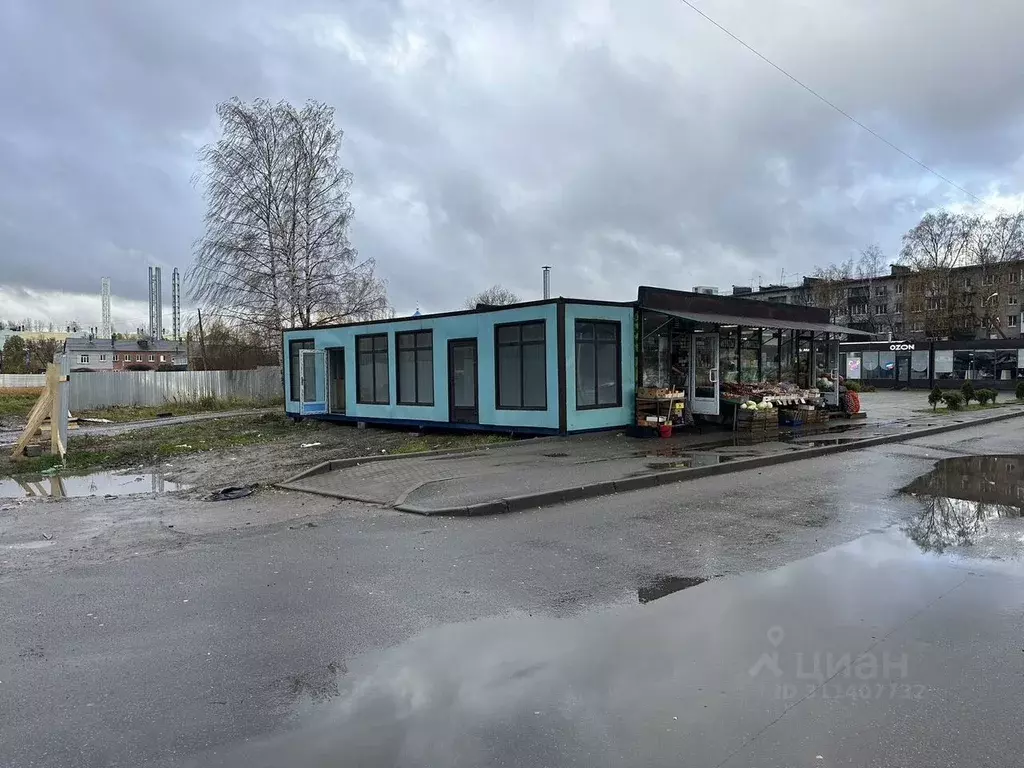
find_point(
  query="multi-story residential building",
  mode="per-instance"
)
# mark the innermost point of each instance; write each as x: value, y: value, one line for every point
x: 125, y: 354
x: 980, y: 301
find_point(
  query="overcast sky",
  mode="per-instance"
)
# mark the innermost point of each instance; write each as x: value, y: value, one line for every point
x: 620, y: 142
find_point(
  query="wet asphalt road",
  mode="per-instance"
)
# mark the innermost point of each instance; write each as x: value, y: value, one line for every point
x: 383, y: 639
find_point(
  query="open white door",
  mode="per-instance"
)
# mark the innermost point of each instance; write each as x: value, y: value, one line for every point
x: 312, y: 381
x: 704, y: 374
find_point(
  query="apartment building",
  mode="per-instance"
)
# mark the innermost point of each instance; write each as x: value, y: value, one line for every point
x: 971, y: 302
x: 125, y: 354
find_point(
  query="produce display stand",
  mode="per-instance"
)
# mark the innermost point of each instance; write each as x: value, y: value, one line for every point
x: 656, y: 407
x: 793, y: 408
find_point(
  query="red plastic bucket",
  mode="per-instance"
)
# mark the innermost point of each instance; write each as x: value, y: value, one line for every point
x: 665, y: 430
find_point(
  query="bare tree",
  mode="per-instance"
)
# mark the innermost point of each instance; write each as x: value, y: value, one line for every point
x: 933, y: 249
x: 828, y: 288
x: 276, y: 253
x: 872, y: 262
x: 495, y: 296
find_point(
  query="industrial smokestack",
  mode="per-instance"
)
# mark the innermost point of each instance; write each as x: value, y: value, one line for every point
x: 175, y: 305
x: 105, y: 329
x: 156, y: 304
x: 547, y: 282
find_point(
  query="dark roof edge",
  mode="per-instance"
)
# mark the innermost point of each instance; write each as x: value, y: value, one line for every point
x: 479, y: 309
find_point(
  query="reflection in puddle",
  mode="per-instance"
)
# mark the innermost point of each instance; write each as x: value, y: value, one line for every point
x: 684, y: 462
x: 962, y: 495
x: 666, y: 585
x: 96, y: 484
x: 805, y: 443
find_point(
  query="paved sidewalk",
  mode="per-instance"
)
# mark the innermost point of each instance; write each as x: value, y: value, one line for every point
x: 537, y: 472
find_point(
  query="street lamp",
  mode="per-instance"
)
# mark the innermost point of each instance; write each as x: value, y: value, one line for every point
x: 988, y: 320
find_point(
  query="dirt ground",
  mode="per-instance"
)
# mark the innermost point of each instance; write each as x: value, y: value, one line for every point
x: 44, y: 533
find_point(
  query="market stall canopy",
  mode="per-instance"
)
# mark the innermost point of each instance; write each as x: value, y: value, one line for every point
x: 726, y: 310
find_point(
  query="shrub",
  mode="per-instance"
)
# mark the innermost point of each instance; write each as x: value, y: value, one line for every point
x: 954, y: 400
x: 967, y: 391
x: 1019, y: 394
x: 934, y: 398
x: 853, y: 386
x: 986, y: 396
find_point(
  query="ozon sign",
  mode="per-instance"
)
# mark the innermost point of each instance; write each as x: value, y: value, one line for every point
x: 901, y: 347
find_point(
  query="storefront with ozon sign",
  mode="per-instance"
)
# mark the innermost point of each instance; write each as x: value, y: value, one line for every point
x: 999, y: 363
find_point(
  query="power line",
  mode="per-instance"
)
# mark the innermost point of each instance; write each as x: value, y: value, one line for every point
x: 834, y: 106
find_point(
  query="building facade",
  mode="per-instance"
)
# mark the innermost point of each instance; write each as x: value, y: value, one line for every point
x: 973, y: 302
x: 94, y: 354
x: 555, y: 366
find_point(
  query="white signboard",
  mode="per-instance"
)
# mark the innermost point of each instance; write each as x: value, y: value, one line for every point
x: 943, y: 361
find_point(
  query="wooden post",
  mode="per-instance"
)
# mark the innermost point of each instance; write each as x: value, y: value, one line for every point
x: 35, y: 420
x: 53, y: 383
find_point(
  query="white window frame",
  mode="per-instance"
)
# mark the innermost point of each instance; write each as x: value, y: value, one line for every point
x: 82, y: 359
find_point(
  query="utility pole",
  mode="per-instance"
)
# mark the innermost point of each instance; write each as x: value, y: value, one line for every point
x: 202, y: 338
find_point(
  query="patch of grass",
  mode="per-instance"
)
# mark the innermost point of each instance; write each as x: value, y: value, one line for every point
x: 441, y: 442
x: 18, y: 402
x: 963, y: 409
x: 157, y: 444
x: 125, y: 413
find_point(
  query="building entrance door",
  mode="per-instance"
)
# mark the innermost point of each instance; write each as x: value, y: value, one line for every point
x: 336, y: 380
x: 312, y: 393
x: 903, y: 370
x: 704, y: 374
x: 463, y: 382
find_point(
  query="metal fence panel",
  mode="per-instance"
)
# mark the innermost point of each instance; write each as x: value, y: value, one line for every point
x: 22, y: 380
x: 101, y: 390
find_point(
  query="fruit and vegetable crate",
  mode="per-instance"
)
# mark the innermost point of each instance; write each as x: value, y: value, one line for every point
x: 757, y: 420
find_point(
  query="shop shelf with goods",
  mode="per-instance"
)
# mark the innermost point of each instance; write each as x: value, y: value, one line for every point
x: 656, y: 407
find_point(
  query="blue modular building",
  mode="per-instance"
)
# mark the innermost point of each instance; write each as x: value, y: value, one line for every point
x: 555, y: 366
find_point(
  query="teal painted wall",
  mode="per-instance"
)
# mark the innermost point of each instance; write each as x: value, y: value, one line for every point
x: 478, y: 325
x: 599, y: 418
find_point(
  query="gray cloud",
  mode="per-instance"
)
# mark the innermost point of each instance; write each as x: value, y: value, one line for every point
x: 622, y: 143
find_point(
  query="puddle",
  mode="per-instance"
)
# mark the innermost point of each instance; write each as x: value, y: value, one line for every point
x: 686, y: 462
x: 666, y: 585
x: 96, y: 484
x: 803, y: 442
x: 691, y: 674
x: 961, y: 497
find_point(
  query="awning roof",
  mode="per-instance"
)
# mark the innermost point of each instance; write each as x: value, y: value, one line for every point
x: 760, y: 322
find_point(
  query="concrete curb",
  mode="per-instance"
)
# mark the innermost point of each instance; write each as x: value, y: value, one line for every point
x: 554, y: 497
x: 328, y: 466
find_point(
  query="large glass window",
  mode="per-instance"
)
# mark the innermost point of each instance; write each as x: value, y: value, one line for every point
x: 869, y: 365
x: 886, y: 365
x: 294, y: 347
x: 962, y: 364
x: 944, y: 364
x: 919, y: 365
x: 982, y: 364
x: 372, y: 369
x: 415, y: 367
x: 598, y: 374
x: 1006, y: 364
x: 728, y: 355
x: 750, y: 344
x: 770, y: 356
x: 521, y: 366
